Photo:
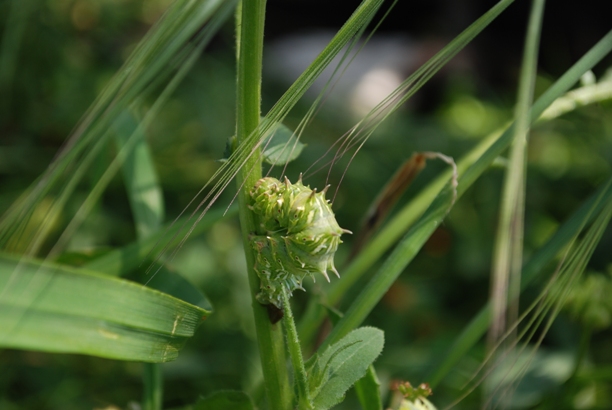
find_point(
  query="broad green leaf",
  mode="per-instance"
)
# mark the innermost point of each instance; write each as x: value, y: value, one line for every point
x: 343, y: 363
x: 225, y: 400
x: 60, y: 309
x: 281, y: 148
x: 152, y: 274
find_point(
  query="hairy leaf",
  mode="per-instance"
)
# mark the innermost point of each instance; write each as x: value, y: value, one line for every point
x: 342, y: 364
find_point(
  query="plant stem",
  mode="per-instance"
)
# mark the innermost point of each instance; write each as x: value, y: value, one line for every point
x: 295, y: 353
x: 250, y: 28
x: 153, y: 386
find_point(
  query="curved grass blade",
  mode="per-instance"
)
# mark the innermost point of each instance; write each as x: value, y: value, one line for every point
x: 393, y: 230
x: 419, y: 233
x: 114, y: 318
x: 508, y: 251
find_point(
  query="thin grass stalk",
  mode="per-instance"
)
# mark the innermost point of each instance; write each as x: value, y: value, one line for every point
x: 508, y: 250
x: 250, y: 52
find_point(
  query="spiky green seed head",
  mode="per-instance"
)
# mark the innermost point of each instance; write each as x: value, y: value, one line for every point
x: 297, y: 235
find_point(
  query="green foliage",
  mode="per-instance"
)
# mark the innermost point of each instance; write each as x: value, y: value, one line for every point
x: 338, y: 367
x: 162, y: 120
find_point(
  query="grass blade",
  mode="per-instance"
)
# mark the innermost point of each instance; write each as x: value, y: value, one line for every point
x: 508, y: 252
x: 115, y: 319
x: 141, y: 181
x: 147, y: 205
x: 418, y: 234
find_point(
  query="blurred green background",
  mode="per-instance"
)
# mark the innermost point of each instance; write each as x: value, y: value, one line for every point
x: 61, y: 54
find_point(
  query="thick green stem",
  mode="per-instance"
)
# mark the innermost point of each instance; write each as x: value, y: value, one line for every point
x: 250, y: 31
